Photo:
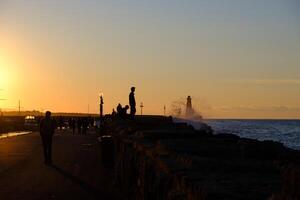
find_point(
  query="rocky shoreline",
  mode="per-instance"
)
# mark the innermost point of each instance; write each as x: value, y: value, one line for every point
x: 155, y: 158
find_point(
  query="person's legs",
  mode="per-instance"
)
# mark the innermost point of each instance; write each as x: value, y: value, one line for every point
x: 44, y: 141
x: 132, y: 111
x: 47, y: 149
x: 50, y: 149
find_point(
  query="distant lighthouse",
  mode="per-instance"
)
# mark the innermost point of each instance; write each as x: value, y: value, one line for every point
x: 189, y: 109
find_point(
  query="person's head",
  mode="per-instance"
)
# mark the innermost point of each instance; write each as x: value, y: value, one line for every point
x: 126, y: 107
x: 132, y: 89
x: 48, y: 114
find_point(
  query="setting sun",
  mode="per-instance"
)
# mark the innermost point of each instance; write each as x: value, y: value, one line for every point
x: 5, y: 76
x: 7, y: 84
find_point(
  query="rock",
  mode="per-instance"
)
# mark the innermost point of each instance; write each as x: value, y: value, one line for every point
x: 158, y: 159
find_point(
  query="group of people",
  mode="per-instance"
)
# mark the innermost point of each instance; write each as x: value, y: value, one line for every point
x: 81, y: 123
x: 122, y: 111
x: 48, y: 124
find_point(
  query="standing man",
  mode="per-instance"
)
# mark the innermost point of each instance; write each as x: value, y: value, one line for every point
x: 47, y: 128
x: 132, y: 102
x: 73, y: 125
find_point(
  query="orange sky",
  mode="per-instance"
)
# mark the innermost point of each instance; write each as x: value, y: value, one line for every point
x: 236, y: 64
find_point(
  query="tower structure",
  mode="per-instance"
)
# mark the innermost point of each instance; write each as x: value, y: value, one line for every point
x: 189, y: 109
x: 142, y: 106
x: 101, y: 106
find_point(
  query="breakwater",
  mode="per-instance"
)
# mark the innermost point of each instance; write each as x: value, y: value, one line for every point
x: 154, y: 158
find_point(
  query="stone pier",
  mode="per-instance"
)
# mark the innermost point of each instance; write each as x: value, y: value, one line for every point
x: 155, y: 158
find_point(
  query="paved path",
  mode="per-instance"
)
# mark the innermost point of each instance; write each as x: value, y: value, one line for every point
x: 77, y: 171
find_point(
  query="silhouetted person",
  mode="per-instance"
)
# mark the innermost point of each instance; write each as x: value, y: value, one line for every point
x: 132, y: 102
x: 84, y: 126
x: 73, y: 125
x: 123, y: 113
x: 79, y: 125
x: 61, y: 122
x: 92, y: 122
x: 119, y: 109
x: 69, y: 123
x: 113, y: 114
x: 47, y: 128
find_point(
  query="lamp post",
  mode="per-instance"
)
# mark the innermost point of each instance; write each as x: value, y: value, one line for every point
x: 101, y: 105
x: 0, y: 108
x: 164, y: 110
x: 19, y: 107
x: 142, y: 106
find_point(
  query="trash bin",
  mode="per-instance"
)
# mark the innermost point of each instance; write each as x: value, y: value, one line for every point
x: 107, y: 150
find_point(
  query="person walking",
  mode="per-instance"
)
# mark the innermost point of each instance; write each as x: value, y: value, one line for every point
x: 132, y: 102
x: 47, y: 129
x: 73, y: 125
x: 79, y: 125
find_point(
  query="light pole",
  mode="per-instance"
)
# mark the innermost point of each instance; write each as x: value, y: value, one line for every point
x: 164, y: 110
x: 142, y: 106
x: 101, y: 105
x: 0, y: 108
x: 19, y: 107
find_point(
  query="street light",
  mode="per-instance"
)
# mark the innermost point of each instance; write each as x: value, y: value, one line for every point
x: 0, y: 108
x: 101, y: 105
x: 142, y: 106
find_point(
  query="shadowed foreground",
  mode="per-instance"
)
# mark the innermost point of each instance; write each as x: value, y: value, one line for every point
x: 77, y: 172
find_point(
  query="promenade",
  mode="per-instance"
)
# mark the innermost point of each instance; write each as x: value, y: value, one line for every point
x: 154, y: 158
x: 77, y: 171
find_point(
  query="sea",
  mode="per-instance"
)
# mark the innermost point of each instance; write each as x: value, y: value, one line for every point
x: 284, y: 131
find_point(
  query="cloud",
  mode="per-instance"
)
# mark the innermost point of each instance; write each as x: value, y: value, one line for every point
x: 287, y: 82
x: 276, y: 81
x: 260, y: 108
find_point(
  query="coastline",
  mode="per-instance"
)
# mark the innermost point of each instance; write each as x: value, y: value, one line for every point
x: 151, y: 153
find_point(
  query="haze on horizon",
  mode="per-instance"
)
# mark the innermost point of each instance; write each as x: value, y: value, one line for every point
x: 237, y: 59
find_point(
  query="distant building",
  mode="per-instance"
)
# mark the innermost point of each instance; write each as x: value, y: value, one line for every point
x: 189, y: 112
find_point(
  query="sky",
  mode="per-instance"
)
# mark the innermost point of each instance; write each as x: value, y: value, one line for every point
x: 237, y: 59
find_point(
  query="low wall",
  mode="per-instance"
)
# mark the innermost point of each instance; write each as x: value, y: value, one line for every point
x: 10, y: 124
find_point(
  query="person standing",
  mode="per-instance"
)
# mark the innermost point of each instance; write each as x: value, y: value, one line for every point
x: 79, y: 125
x: 61, y: 123
x: 47, y: 129
x: 132, y: 102
x: 73, y: 125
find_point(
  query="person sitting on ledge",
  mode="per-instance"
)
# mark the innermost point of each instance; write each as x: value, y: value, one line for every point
x: 122, y: 112
x: 113, y: 114
x: 119, y: 109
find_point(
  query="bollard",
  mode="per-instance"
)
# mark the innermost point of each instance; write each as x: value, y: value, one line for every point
x: 107, y: 150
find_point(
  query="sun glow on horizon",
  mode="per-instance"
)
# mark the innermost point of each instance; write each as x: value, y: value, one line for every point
x: 6, y: 80
x: 234, y: 61
x: 4, y: 76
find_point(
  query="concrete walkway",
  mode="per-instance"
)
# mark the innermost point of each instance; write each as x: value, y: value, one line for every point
x: 77, y: 171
